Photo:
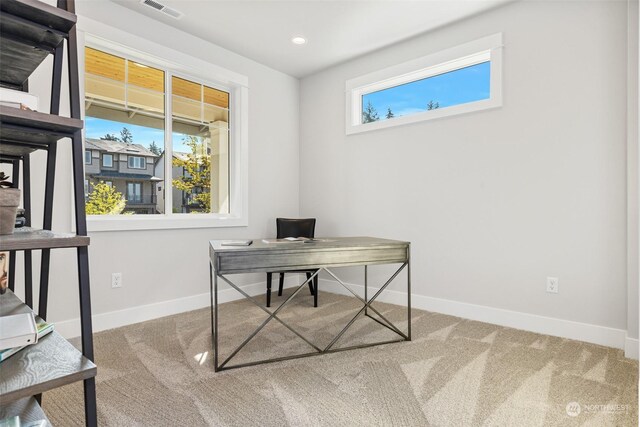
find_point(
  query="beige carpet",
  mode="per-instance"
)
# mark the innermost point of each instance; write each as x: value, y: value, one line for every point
x: 455, y: 372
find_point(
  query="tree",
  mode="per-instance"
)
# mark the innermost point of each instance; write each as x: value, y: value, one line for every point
x: 370, y: 114
x: 110, y: 137
x: 126, y: 136
x: 196, y: 179
x: 390, y: 114
x: 153, y: 147
x: 105, y: 200
x: 433, y: 105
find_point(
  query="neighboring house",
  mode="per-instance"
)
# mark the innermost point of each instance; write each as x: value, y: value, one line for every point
x: 127, y: 167
x: 182, y: 201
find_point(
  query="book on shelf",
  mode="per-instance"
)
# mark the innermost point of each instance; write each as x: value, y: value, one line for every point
x: 17, y: 330
x: 18, y: 99
x: 43, y: 328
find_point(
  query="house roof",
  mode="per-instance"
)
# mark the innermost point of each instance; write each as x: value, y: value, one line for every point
x: 180, y: 155
x: 106, y: 174
x: 117, y: 147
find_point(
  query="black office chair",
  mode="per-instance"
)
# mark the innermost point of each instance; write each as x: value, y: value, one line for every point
x: 288, y: 227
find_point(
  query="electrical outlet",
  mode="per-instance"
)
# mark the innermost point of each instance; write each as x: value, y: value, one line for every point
x: 552, y: 285
x: 116, y: 280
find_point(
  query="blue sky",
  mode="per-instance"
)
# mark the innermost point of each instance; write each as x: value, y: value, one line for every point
x: 96, y: 128
x: 456, y: 87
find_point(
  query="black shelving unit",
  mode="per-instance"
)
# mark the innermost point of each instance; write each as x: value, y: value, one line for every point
x: 30, y: 31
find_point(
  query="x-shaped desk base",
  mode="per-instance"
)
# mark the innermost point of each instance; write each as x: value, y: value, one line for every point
x: 366, y: 307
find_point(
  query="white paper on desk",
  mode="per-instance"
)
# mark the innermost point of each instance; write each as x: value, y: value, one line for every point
x: 236, y: 243
x: 18, y: 330
x: 287, y: 240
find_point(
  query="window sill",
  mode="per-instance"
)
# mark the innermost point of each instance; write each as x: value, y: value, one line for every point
x: 456, y: 110
x: 97, y: 223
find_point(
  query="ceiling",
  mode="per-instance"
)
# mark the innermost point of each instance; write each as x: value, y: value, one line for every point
x: 335, y: 30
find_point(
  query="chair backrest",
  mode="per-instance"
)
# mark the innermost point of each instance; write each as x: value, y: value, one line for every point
x: 295, y: 227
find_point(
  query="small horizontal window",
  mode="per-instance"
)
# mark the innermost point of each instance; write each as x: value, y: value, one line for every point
x: 459, y: 80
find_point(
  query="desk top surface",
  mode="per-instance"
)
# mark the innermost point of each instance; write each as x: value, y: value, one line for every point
x: 319, y: 243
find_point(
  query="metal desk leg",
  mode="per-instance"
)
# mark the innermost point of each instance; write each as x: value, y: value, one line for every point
x: 214, y: 295
x: 365, y: 289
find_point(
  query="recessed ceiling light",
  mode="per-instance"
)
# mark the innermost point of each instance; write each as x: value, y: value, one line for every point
x: 298, y: 40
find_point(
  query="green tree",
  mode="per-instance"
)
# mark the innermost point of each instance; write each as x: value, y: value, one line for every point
x: 105, y: 200
x: 433, y: 105
x: 196, y: 179
x: 370, y: 114
x: 126, y: 136
x: 390, y: 114
x: 153, y: 147
x: 110, y: 137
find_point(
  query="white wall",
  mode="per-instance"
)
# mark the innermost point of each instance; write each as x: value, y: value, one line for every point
x: 494, y: 202
x: 164, y: 265
x: 633, y: 190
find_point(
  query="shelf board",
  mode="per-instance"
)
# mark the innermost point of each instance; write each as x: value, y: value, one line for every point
x: 29, y: 31
x: 16, y: 150
x: 50, y: 363
x: 26, y: 238
x: 27, y: 408
x: 24, y: 131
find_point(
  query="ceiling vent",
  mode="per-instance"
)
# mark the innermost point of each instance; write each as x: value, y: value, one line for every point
x: 175, y: 14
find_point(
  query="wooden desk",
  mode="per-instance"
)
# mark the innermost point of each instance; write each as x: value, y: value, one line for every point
x: 320, y: 255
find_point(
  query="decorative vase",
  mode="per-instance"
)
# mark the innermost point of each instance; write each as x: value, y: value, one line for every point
x: 9, y: 202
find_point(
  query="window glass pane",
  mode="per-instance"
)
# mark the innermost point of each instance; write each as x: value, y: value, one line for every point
x: 216, y: 97
x: 456, y: 87
x: 104, y: 78
x: 145, y: 88
x: 124, y: 118
x: 200, y: 164
x: 87, y: 157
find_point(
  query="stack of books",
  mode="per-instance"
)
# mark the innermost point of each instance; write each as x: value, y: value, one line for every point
x: 16, y: 422
x: 18, y: 99
x: 43, y: 328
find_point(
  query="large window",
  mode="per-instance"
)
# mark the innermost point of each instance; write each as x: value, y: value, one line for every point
x: 459, y: 80
x: 163, y: 139
x: 200, y: 164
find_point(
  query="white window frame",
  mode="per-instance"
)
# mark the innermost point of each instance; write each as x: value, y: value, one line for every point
x: 88, y: 152
x: 134, y: 164
x: 104, y: 156
x: 482, y: 50
x: 112, y: 40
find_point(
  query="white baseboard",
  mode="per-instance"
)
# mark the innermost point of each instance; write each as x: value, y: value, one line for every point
x: 115, y: 319
x: 595, y: 334
x: 631, y: 348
